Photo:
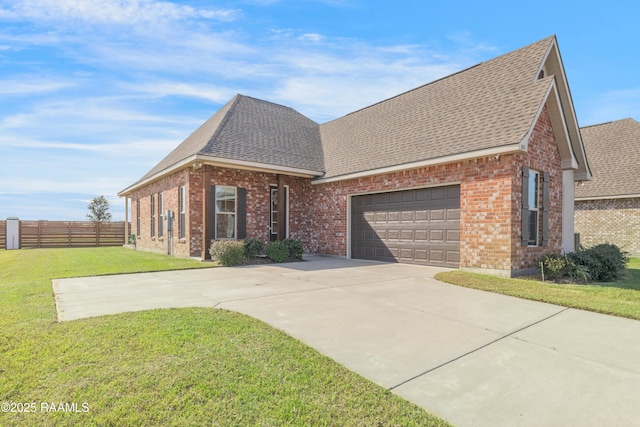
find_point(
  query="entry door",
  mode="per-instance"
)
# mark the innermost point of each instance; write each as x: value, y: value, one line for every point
x: 274, y: 209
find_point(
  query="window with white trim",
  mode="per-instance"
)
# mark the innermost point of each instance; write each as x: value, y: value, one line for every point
x: 533, y: 198
x: 225, y: 208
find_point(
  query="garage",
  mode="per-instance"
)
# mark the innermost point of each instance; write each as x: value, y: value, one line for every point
x: 420, y: 226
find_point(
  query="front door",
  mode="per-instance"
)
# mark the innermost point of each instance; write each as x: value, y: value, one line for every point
x: 274, y: 210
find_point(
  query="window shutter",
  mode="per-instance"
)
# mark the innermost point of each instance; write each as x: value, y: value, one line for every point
x: 545, y: 209
x: 241, y: 213
x: 525, y: 206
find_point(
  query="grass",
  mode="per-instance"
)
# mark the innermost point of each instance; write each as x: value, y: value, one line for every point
x: 178, y: 367
x: 620, y: 298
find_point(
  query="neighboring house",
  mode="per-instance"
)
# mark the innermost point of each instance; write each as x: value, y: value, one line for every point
x: 475, y: 170
x: 608, y: 207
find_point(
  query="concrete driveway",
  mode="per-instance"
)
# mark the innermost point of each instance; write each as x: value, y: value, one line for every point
x: 471, y: 357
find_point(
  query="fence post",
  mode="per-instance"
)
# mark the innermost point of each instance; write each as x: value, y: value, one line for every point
x: 97, y: 234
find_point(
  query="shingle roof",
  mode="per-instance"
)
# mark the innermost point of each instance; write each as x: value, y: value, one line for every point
x: 253, y: 130
x: 489, y: 105
x: 613, y: 149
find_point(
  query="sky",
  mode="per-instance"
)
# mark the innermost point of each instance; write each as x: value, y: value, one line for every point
x: 94, y: 93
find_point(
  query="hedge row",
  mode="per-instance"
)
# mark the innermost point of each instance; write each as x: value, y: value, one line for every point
x: 236, y: 252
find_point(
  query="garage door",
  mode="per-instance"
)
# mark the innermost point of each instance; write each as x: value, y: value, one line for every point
x: 413, y: 226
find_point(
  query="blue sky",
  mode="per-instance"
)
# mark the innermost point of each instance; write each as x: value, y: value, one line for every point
x: 93, y: 93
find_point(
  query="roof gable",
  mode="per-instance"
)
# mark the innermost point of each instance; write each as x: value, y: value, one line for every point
x: 563, y: 113
x: 614, y: 155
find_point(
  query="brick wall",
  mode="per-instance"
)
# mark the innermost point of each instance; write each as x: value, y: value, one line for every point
x: 485, y: 207
x: 168, y: 186
x: 490, y: 203
x: 490, y: 191
x: 609, y: 221
x: 258, y: 186
x: 543, y: 156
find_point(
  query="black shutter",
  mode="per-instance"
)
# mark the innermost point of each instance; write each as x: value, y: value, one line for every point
x: 241, y: 213
x: 545, y: 208
x: 525, y: 206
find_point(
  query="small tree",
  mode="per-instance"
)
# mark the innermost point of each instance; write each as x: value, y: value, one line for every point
x: 99, y: 210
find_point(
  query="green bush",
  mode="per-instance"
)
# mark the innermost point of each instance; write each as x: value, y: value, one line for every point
x: 294, y: 247
x: 553, y: 265
x: 605, y: 262
x: 562, y: 267
x: 228, y: 252
x: 278, y: 251
x: 601, y: 263
x: 253, y: 247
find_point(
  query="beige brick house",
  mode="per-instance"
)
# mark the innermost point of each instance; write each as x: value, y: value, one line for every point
x: 475, y: 170
x: 608, y: 207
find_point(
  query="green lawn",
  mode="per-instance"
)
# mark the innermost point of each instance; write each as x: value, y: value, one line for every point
x: 173, y: 367
x: 618, y: 298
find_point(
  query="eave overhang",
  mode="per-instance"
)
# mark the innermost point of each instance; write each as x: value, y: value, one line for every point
x: 496, y: 151
x: 196, y: 161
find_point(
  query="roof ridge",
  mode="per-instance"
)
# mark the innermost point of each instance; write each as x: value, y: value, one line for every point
x: 222, y: 124
x: 609, y: 122
x: 276, y: 104
x: 409, y: 91
x: 444, y: 77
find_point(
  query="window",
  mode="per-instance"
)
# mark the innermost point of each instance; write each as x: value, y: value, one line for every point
x: 274, y: 213
x: 153, y: 215
x: 160, y: 217
x: 183, y: 213
x: 138, y: 217
x: 533, y: 208
x: 225, y: 206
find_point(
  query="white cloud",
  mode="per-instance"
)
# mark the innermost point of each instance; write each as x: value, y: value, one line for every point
x: 140, y: 76
x: 348, y: 75
x: 29, y: 85
x: 217, y: 94
x: 125, y: 12
x: 311, y: 37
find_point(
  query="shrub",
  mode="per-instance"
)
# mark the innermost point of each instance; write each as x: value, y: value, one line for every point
x: 601, y: 263
x: 553, y: 265
x: 253, y: 247
x: 605, y: 262
x: 278, y: 251
x: 228, y: 252
x: 294, y: 247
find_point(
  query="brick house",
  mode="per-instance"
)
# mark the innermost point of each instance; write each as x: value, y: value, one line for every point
x: 607, y: 208
x: 475, y: 170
